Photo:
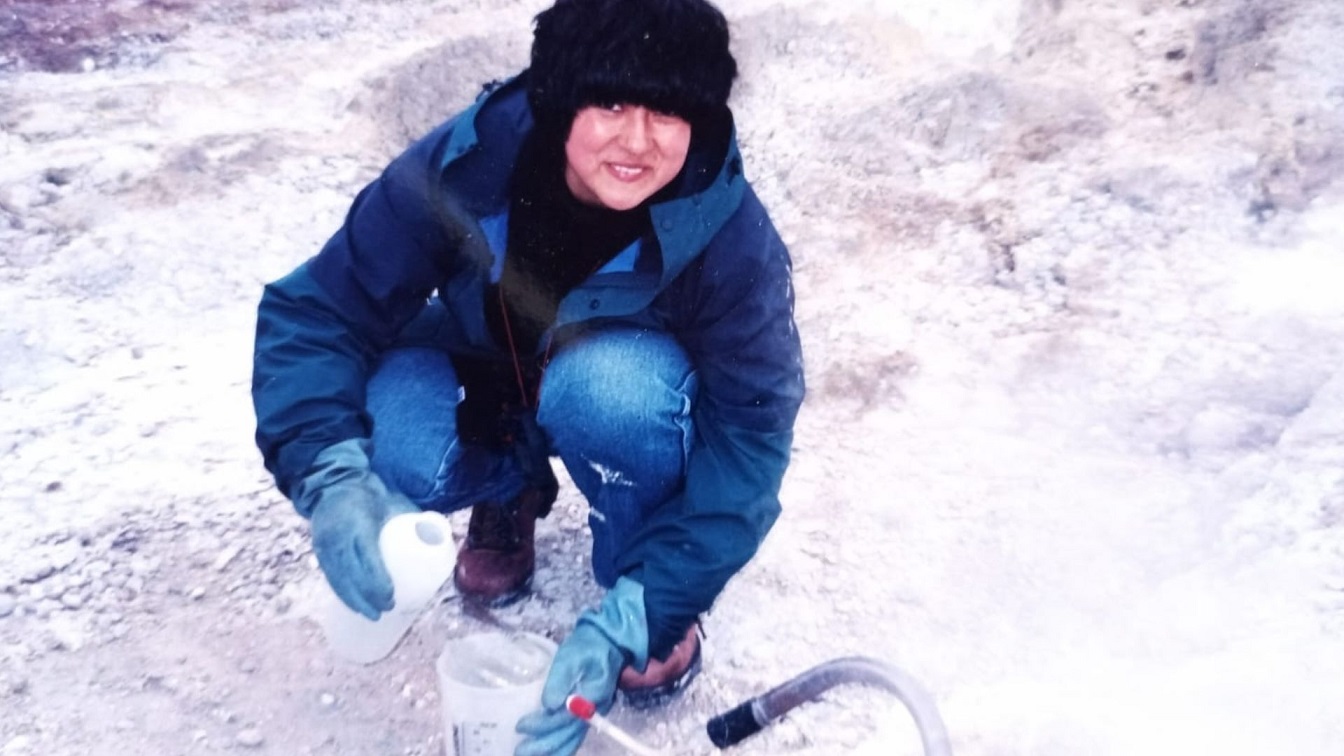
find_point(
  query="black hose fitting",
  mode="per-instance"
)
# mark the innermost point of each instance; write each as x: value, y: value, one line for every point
x: 734, y: 726
x: 751, y: 717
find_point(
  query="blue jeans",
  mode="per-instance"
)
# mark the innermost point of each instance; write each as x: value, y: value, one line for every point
x: 614, y: 405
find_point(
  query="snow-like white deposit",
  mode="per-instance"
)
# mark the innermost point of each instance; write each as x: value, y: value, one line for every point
x: 1068, y: 279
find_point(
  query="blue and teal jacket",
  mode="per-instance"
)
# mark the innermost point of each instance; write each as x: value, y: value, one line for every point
x: 715, y: 275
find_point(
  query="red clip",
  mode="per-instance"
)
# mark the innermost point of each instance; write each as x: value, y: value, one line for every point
x: 580, y: 707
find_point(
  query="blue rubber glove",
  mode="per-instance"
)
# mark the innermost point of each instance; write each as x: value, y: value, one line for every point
x: 588, y: 663
x: 347, y: 505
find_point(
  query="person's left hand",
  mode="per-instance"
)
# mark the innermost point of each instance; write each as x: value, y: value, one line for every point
x: 589, y: 664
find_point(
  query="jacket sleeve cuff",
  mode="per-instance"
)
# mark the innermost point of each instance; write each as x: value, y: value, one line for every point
x: 344, y: 461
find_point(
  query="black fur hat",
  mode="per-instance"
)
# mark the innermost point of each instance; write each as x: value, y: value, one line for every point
x: 669, y: 55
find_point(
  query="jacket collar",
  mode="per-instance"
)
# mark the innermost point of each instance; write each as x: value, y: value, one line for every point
x: 490, y: 134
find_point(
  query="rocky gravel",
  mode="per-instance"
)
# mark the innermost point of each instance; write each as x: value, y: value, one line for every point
x: 1067, y: 280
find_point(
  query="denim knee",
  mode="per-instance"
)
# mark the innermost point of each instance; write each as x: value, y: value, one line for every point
x: 616, y: 406
x: 621, y: 394
x: 412, y: 398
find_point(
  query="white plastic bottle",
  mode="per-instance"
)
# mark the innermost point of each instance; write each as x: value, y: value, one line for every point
x: 419, y: 552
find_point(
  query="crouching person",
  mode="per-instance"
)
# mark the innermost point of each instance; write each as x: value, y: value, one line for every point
x: 573, y: 267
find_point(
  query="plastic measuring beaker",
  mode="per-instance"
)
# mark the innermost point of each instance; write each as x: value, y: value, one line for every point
x: 487, y: 682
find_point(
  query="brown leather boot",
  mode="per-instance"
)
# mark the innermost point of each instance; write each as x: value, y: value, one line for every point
x: 661, y: 681
x: 496, y: 562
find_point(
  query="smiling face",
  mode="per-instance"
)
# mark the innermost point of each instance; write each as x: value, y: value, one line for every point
x: 618, y: 156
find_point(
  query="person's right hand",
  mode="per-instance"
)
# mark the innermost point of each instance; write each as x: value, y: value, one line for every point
x: 346, y: 524
x: 348, y: 505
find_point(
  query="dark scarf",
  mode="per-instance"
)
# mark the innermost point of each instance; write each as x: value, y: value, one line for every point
x: 555, y: 242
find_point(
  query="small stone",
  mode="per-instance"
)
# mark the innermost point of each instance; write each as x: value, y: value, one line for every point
x: 59, y: 176
x: 197, y: 593
x: 327, y: 700
x: 127, y: 540
x: 226, y: 556
x: 47, y: 607
x: 143, y: 566
x: 101, y: 596
x: 250, y: 738
x: 53, y: 486
x: 7, y: 604
x: 39, y: 573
